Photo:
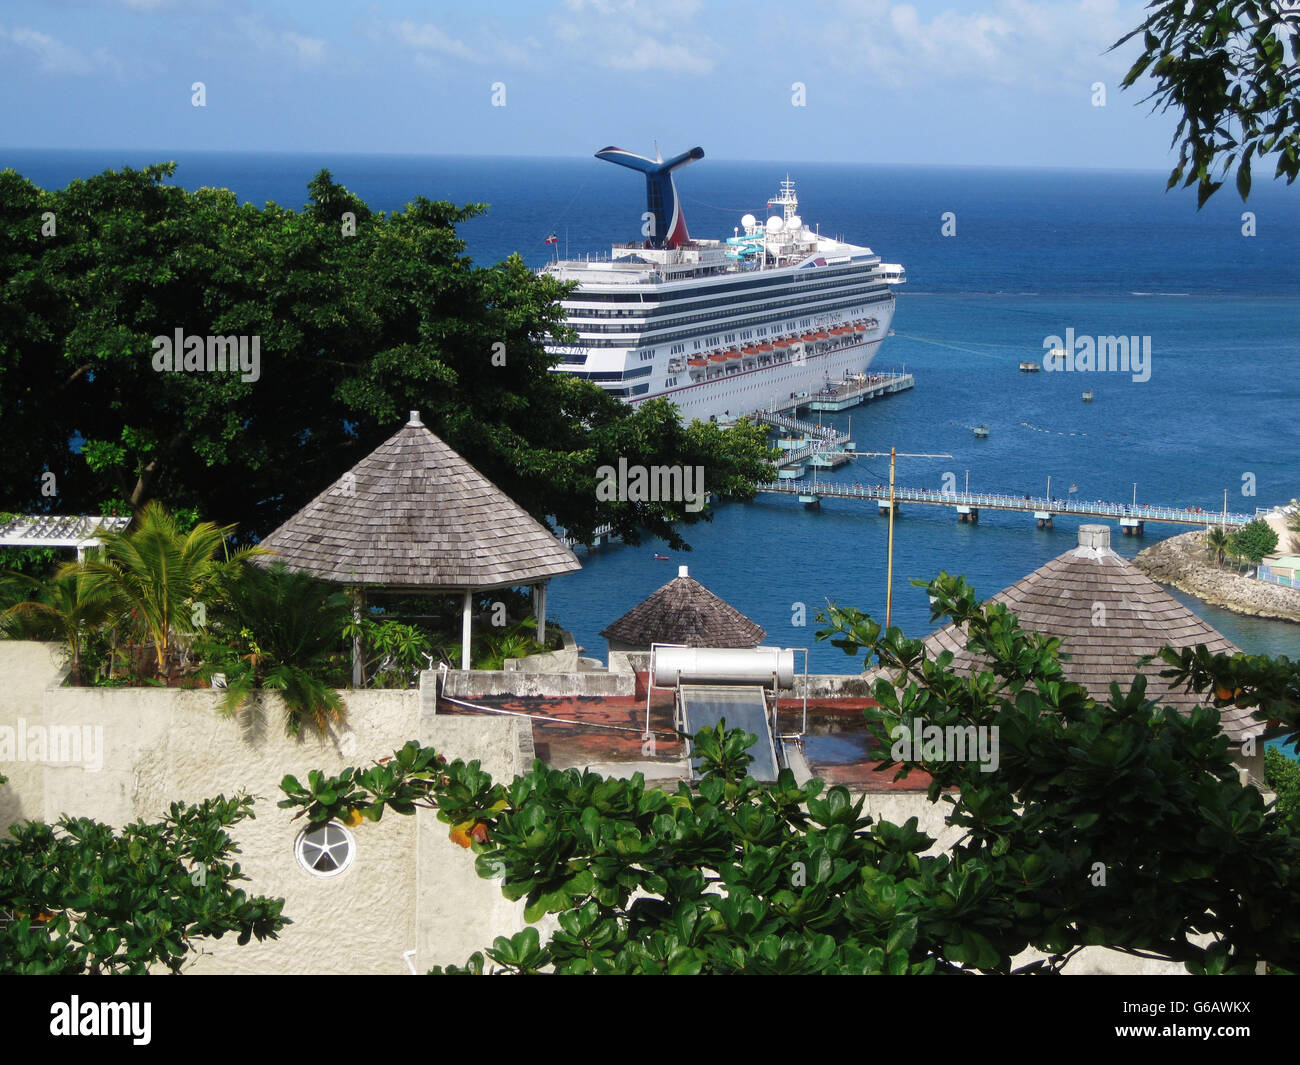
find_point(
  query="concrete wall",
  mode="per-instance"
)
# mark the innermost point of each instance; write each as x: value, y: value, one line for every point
x: 409, y: 887
x: 482, y: 683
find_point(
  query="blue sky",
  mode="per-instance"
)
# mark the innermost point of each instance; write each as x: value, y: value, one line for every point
x: 979, y: 82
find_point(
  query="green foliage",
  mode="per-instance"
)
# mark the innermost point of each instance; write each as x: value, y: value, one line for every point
x: 358, y: 327
x: 492, y: 646
x: 393, y: 653
x: 737, y: 876
x: 1253, y: 541
x: 78, y: 897
x: 279, y: 630
x: 70, y: 608
x: 1283, y: 776
x: 1231, y: 71
x: 159, y: 580
x: 1217, y: 542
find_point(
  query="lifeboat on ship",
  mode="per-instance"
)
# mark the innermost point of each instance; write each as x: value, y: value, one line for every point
x: 718, y: 357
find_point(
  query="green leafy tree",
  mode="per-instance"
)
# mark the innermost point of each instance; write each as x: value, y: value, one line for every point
x: 1231, y: 72
x: 360, y: 324
x: 1253, y: 541
x: 737, y: 876
x: 78, y: 897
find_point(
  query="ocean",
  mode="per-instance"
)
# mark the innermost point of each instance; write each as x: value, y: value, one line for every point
x: 1035, y: 252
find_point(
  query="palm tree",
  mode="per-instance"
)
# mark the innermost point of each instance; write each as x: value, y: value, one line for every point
x: 67, y: 608
x: 281, y: 630
x: 1217, y: 540
x: 158, y: 578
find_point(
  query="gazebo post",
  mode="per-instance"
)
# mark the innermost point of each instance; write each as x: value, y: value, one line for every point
x: 539, y: 608
x: 357, y: 600
x: 465, y: 629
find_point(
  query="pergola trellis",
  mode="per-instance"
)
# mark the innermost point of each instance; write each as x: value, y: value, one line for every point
x: 414, y: 516
x: 78, y: 531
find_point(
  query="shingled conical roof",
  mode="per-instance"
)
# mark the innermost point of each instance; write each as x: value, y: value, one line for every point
x: 1108, y: 614
x: 684, y: 611
x: 413, y: 514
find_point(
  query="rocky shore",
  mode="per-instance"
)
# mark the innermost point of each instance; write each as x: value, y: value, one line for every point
x: 1181, y: 562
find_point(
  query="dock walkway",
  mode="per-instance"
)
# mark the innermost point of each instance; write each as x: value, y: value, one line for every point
x: 969, y: 504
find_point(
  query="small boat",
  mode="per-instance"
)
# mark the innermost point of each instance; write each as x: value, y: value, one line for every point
x: 1030, y: 367
x: 981, y: 431
x: 1087, y: 396
x: 662, y: 558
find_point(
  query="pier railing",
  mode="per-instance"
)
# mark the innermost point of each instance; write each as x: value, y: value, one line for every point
x: 1143, y: 512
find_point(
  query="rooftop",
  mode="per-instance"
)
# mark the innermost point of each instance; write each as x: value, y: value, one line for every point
x: 414, y: 514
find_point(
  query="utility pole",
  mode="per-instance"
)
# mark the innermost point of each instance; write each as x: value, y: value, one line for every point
x: 889, y: 572
x: 1135, y: 495
x: 967, y: 483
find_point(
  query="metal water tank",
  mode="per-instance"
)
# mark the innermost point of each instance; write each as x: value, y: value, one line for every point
x: 723, y: 665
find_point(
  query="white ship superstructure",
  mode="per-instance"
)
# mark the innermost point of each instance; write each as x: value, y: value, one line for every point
x: 724, y: 327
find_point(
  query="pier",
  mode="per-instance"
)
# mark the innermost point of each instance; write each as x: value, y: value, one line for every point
x: 843, y: 394
x: 1132, y: 519
x: 816, y: 445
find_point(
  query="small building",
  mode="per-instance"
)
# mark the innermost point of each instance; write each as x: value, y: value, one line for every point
x: 683, y: 612
x: 1280, y: 569
x: 414, y: 516
x: 1108, y: 615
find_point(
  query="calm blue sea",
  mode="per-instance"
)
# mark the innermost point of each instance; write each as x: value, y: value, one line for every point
x: 1035, y: 252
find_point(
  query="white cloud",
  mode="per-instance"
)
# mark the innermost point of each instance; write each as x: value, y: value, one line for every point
x: 1008, y: 42
x: 635, y: 35
x: 427, y: 40
x: 55, y: 57
x: 307, y: 51
x: 310, y: 49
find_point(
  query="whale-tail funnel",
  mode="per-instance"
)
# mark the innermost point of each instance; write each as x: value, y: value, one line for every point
x: 660, y: 192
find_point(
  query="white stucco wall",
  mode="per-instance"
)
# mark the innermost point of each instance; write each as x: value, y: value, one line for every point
x: 165, y: 745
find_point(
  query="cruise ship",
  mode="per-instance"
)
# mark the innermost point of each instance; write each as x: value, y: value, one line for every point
x: 726, y: 327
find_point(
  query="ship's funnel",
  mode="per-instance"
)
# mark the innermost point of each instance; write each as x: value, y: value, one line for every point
x: 660, y: 192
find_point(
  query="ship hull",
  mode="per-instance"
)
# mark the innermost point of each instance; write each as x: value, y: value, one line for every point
x: 725, y: 399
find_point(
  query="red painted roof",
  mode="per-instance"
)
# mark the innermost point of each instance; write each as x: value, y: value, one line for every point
x: 596, y: 729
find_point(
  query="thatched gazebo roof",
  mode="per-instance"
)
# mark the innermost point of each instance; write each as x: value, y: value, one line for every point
x: 1108, y: 614
x: 683, y: 611
x: 414, y: 515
